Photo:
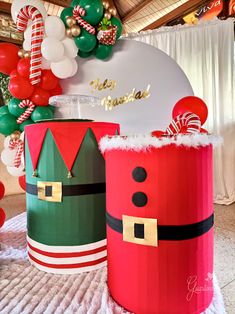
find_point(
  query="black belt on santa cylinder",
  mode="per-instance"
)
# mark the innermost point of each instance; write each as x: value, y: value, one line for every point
x: 165, y: 232
x: 68, y: 190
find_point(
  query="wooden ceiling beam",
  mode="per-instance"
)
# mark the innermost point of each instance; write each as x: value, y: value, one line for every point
x: 184, y: 9
x: 135, y: 10
x: 5, y: 7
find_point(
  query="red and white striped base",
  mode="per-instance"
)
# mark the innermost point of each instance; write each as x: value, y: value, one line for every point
x: 67, y: 259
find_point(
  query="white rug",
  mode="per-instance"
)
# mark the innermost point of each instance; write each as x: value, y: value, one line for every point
x: 26, y: 290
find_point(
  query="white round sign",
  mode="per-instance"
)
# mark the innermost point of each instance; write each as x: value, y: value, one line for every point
x: 138, y: 87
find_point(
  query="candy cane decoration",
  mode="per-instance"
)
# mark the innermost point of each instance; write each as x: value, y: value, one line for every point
x: 77, y: 13
x: 190, y: 121
x: 20, y: 148
x: 28, y: 111
x: 31, y: 13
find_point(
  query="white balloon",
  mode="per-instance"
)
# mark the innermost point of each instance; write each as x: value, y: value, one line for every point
x: 75, y: 67
x: 52, y: 49
x: 70, y: 49
x: 45, y: 64
x: 16, y: 172
x: 54, y: 27
x: 28, y: 33
x: 6, y: 141
x: 19, y: 4
x: 63, y: 69
x: 27, y: 45
x: 8, y: 156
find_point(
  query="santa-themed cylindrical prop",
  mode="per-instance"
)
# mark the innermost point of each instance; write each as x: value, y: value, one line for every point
x: 65, y: 175
x: 160, y: 222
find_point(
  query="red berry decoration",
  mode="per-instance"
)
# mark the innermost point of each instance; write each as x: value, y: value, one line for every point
x: 22, y: 182
x: 20, y: 87
x: 48, y: 80
x: 191, y: 104
x: 2, y: 190
x: 157, y: 133
x: 23, y: 67
x: 40, y: 97
x: 203, y: 131
x: 2, y: 217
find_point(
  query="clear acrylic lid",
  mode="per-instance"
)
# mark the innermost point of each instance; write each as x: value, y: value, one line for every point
x: 72, y: 106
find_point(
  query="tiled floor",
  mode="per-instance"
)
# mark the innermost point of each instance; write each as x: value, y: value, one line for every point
x: 224, y: 244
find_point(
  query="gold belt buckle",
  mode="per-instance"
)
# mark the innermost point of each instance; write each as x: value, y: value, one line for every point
x: 147, y: 228
x: 50, y: 191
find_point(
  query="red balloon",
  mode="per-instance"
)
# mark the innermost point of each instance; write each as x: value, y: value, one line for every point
x: 22, y: 182
x: 204, y: 131
x: 13, y: 74
x: 2, y: 217
x: 23, y: 67
x: 48, y: 80
x: 8, y: 57
x: 40, y: 97
x: 20, y: 87
x: 157, y: 133
x: 56, y: 91
x: 2, y: 190
x: 191, y: 104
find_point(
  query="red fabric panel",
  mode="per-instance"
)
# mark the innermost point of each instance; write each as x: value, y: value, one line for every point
x: 68, y: 137
x: 146, y: 279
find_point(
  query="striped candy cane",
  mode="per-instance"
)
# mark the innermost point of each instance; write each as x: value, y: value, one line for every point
x: 28, y: 111
x: 188, y: 120
x: 77, y: 13
x: 31, y: 13
x: 20, y: 148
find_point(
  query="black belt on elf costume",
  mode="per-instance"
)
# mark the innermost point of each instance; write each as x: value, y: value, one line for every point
x: 136, y: 228
x: 54, y: 191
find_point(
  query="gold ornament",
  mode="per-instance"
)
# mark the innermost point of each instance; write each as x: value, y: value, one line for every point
x: 69, y: 32
x: 27, y: 54
x: 21, y: 53
x: 105, y: 5
x: 70, y: 21
x: 15, y: 135
x: 107, y: 15
x: 113, y: 11
x: 75, y: 30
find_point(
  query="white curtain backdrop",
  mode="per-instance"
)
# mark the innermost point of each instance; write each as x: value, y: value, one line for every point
x: 206, y: 54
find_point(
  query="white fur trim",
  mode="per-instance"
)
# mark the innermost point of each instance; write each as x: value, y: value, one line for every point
x: 146, y: 142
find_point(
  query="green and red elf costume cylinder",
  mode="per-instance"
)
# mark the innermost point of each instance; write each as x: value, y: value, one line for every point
x: 160, y: 222
x: 65, y: 175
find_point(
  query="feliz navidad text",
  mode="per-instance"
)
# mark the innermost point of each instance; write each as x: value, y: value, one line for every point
x: 109, y: 103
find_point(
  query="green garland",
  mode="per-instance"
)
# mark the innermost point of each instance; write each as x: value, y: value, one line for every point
x: 4, y: 80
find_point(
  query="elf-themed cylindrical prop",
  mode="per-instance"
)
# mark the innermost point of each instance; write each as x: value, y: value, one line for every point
x: 160, y: 222
x: 65, y: 175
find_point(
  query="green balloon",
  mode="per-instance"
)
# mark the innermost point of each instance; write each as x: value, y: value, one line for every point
x: 4, y: 110
x: 23, y: 124
x: 8, y: 124
x: 117, y: 22
x: 14, y: 108
x: 74, y: 3
x: 86, y: 42
x: 52, y: 108
x: 102, y: 52
x: 41, y: 113
x: 66, y: 13
x: 94, y: 10
x: 83, y: 54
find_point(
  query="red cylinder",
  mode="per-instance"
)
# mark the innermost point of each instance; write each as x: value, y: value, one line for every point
x: 160, y: 227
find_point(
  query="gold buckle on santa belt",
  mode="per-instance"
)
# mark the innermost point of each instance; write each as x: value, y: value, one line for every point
x: 147, y: 231
x: 54, y: 191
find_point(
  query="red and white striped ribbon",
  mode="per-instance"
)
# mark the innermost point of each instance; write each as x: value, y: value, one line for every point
x: 187, y: 122
x: 20, y: 148
x: 31, y: 13
x: 77, y: 13
x: 26, y: 103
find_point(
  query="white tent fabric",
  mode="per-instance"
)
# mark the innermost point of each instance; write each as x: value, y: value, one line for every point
x: 206, y: 54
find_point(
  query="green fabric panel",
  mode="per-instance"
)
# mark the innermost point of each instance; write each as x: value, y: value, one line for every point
x: 76, y: 220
